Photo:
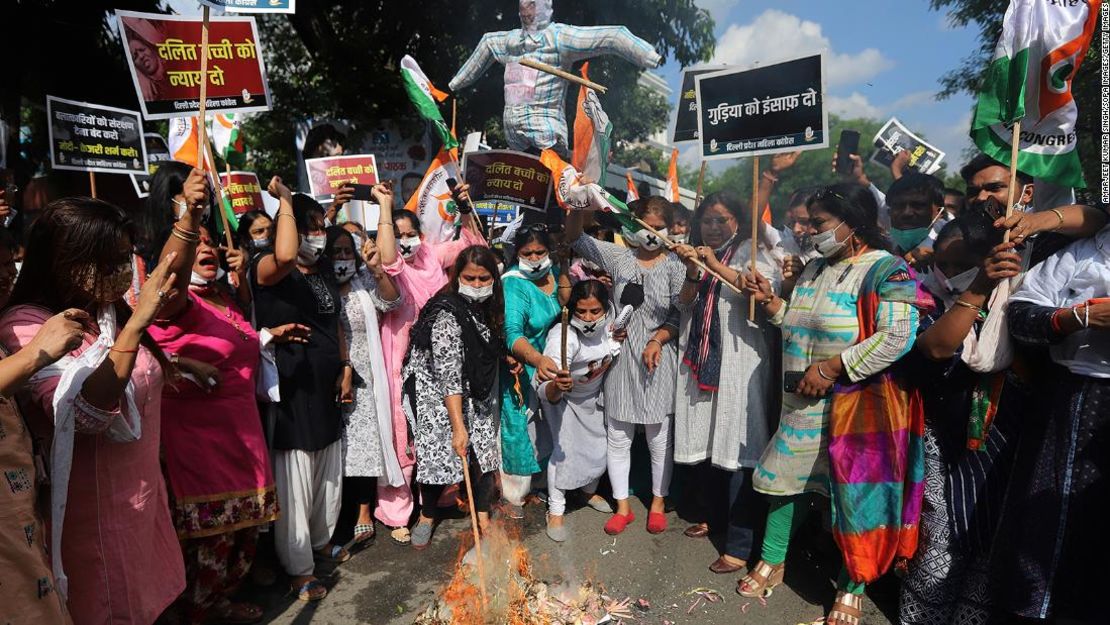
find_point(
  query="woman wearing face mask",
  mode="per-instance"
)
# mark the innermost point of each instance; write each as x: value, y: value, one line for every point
x: 418, y: 268
x: 635, y: 395
x: 727, y: 380
x: 852, y: 315
x: 971, y: 424
x: 111, y: 527
x: 368, y: 436
x: 450, y: 382
x: 573, y: 405
x: 216, y: 462
x: 531, y: 305
x: 315, y: 378
x: 256, y: 232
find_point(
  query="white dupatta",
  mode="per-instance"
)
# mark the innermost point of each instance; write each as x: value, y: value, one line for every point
x: 125, y: 428
x: 380, y: 380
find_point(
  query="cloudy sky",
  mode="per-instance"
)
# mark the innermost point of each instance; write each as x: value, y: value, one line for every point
x: 883, y: 57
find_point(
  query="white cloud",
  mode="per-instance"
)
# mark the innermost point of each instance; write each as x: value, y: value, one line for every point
x: 775, y: 30
x: 718, y: 8
x: 855, y: 105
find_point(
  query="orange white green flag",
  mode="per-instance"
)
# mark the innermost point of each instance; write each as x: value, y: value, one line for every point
x: 671, y: 190
x: 573, y: 193
x: 433, y: 202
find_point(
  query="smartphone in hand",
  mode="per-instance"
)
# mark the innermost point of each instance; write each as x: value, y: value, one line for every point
x: 849, y: 144
x: 791, y: 380
x: 362, y: 192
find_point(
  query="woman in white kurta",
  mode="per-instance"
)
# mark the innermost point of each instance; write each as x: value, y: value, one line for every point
x: 727, y: 376
x: 574, y: 402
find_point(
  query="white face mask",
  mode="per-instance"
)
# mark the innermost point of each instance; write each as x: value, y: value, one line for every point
x: 534, y: 270
x: 649, y: 241
x: 680, y: 239
x: 180, y: 208
x: 589, y: 328
x: 826, y: 242
x: 197, y: 280
x: 344, y: 270
x: 476, y: 294
x: 310, y: 250
x: 951, y: 287
x: 407, y: 247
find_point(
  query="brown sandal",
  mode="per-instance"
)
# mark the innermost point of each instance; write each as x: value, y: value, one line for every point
x: 761, y: 581
x: 699, y: 530
x: 846, y: 610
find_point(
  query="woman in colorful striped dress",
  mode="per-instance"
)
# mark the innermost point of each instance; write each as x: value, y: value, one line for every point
x: 821, y: 329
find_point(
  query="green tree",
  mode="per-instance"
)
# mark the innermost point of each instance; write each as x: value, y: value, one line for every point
x: 338, y: 58
x: 987, y: 16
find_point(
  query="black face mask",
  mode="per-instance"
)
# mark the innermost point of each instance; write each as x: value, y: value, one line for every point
x: 977, y: 225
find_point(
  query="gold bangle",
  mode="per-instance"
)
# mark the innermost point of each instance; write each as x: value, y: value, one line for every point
x: 286, y: 215
x: 982, y: 314
x: 177, y: 233
x: 1060, y: 216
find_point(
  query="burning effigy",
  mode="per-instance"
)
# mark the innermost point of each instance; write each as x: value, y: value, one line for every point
x: 496, y: 585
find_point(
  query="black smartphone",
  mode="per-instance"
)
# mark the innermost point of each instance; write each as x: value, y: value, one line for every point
x: 362, y: 192
x: 849, y: 144
x: 791, y: 380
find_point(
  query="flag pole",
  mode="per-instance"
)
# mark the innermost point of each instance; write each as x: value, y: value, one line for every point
x: 474, y: 529
x: 1015, y: 145
x: 697, y: 262
x: 701, y: 180
x: 92, y: 184
x: 755, y: 226
x: 202, y: 132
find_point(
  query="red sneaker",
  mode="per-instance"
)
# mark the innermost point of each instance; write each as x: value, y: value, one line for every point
x: 657, y: 522
x: 618, y: 522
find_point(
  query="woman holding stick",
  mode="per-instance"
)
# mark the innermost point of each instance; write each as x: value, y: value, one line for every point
x: 450, y: 388
x: 637, y: 394
x: 573, y: 403
x: 727, y: 382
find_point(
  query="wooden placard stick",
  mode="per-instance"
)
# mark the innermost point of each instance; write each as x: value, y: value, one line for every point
x: 701, y: 181
x: 202, y: 131
x: 697, y: 262
x: 555, y: 71
x: 755, y: 229
x: 565, y: 321
x: 1015, y: 141
x: 92, y: 184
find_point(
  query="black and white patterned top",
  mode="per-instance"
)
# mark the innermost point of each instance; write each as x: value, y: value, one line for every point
x: 633, y: 395
x: 438, y: 373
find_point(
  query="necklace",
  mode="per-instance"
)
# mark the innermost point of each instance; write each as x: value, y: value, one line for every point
x: 229, y: 318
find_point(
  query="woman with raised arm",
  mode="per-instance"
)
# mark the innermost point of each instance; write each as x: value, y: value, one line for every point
x: 419, y: 269
x: 99, y: 409
x: 315, y: 377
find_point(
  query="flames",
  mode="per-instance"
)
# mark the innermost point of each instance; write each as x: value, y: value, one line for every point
x: 513, y: 594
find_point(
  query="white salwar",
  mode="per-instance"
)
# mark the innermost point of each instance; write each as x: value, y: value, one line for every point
x: 309, y: 488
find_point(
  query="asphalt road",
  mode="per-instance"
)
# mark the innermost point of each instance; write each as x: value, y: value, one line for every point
x: 388, y: 584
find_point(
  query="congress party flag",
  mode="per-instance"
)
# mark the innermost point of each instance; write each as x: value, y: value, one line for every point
x: 425, y: 97
x: 632, y: 194
x: 227, y: 139
x: 184, y: 140
x: 592, y: 130
x: 433, y: 202
x: 1029, y: 80
x: 671, y: 191
x: 573, y: 193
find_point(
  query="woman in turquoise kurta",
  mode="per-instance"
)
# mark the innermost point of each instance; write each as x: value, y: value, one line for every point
x: 531, y: 306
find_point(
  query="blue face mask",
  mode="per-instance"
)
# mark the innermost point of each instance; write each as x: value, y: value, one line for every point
x: 907, y: 240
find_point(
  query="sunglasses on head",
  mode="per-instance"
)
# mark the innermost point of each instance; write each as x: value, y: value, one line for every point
x: 534, y: 228
x: 827, y: 193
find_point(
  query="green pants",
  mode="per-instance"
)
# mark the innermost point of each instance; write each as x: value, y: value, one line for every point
x: 783, y: 519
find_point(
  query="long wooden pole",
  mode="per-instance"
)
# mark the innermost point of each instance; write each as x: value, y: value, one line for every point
x: 565, y: 321
x: 92, y: 184
x: 701, y: 180
x: 555, y: 71
x: 1015, y: 144
x: 755, y: 229
x: 474, y: 530
x: 202, y: 131
x: 670, y: 244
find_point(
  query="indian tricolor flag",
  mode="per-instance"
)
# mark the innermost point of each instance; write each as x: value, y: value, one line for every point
x: 226, y: 138
x: 184, y: 139
x: 592, y: 130
x: 1029, y: 79
x: 671, y: 191
x: 573, y: 193
x: 433, y: 202
x: 425, y: 97
x: 632, y: 194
